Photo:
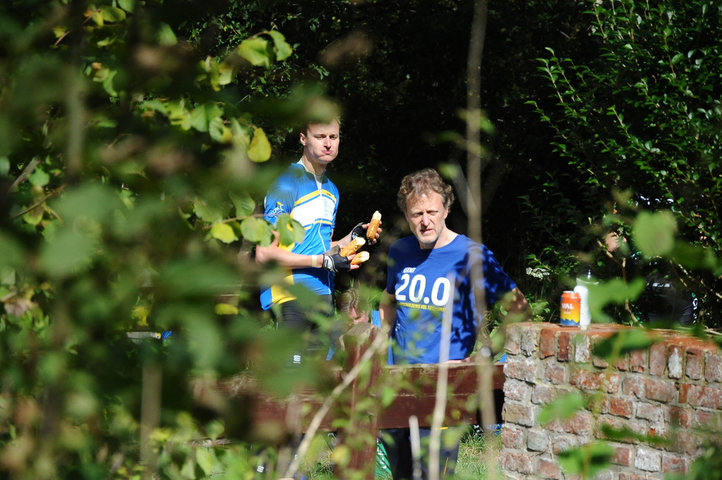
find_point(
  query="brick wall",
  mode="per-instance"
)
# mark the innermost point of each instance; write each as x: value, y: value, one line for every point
x: 671, y: 391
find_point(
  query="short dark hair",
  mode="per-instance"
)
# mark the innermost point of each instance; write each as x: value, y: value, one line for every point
x: 424, y: 181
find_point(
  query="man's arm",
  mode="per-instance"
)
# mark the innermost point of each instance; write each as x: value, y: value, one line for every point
x: 515, y: 303
x: 288, y: 259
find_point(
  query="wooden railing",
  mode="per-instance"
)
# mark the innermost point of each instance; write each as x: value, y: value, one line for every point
x: 347, y: 410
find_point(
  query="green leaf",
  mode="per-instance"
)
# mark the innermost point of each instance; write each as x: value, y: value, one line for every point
x: 623, y: 342
x: 67, y: 252
x: 217, y: 130
x: 206, y: 212
x: 197, y: 277
x: 39, y: 177
x: 257, y: 230
x: 243, y: 203
x: 289, y: 230
x: 4, y: 165
x: 202, y: 116
x: 166, y: 36
x: 34, y: 216
x: 283, y: 49
x: 112, y: 14
x: 654, y: 233
x: 260, y: 148
x: 587, y: 460
x: 562, y: 408
x: 204, y: 457
x: 91, y: 200
x: 226, y: 309
x: 127, y: 5
x: 223, y: 232
x: 11, y: 251
x: 255, y: 50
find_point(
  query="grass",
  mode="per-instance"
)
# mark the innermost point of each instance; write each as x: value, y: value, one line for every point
x: 471, y: 464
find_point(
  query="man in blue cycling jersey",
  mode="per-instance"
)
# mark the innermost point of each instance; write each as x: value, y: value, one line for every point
x: 428, y: 273
x: 306, y: 193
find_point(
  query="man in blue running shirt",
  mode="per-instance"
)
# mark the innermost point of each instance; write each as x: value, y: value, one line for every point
x: 428, y: 272
x: 306, y: 193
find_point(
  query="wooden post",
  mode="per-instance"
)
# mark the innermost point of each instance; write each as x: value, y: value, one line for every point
x: 359, y: 434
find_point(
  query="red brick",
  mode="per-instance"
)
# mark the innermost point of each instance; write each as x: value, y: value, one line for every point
x: 631, y: 476
x: 586, y: 380
x: 521, y: 369
x: 547, y: 468
x: 519, y: 413
x: 660, y: 390
x: 702, y: 396
x: 713, y: 367
x: 638, y: 361
x: 564, y: 347
x: 622, y: 363
x: 547, y: 343
x: 657, y: 359
x: 652, y: 412
x: 512, y: 437
x: 633, y: 385
x: 579, y: 424
x: 612, y: 382
x: 695, y: 363
x: 620, y: 407
x: 555, y: 373
x: 622, y: 456
x: 708, y: 420
x: 679, y: 416
x: 686, y: 442
x: 673, y: 463
x: 516, y: 462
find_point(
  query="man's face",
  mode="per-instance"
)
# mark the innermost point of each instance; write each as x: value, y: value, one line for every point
x: 358, y: 316
x: 320, y: 142
x: 426, y: 215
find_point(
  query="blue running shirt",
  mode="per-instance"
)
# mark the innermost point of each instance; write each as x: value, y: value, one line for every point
x: 313, y: 203
x: 418, y: 280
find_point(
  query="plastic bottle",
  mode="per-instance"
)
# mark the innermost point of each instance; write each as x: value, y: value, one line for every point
x: 585, y: 316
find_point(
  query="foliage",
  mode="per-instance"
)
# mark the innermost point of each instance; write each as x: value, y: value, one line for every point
x: 129, y: 166
x: 643, y: 116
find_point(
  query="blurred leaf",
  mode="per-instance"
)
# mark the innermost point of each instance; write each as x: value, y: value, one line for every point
x: 207, y: 212
x: 67, y: 252
x: 260, y: 148
x: 205, y: 458
x: 654, y: 233
x: 197, y: 277
x: 615, y: 291
x: 166, y: 36
x: 257, y: 230
x: 223, y: 232
x: 201, y: 117
x: 34, y: 216
x: 91, y: 200
x: 587, y: 460
x: 255, y: 50
x: 112, y: 14
x: 226, y: 309
x: 289, y: 230
x: 283, y: 49
x: 623, y: 342
x: 562, y: 408
x: 39, y: 177
x: 244, y: 204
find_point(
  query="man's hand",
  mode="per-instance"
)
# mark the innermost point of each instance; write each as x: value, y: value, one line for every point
x: 335, y: 262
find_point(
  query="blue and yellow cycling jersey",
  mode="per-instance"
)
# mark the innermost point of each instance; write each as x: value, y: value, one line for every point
x: 313, y: 202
